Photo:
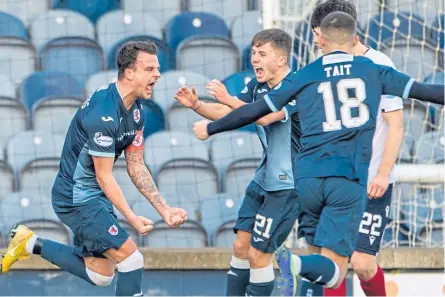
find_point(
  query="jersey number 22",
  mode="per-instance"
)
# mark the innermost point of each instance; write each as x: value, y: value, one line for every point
x: 332, y: 124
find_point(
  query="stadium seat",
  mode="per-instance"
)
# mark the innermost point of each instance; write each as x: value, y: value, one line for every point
x: 238, y: 176
x: 181, y: 119
x: 13, y: 116
x: 427, y: 9
x: 396, y: 235
x: 365, y: 10
x: 52, y: 98
x: 165, y: 55
x: 224, y: 235
x: 436, y: 111
x: 95, y: 81
x: 12, y: 27
x: 188, y: 24
x: 218, y: 210
x: 25, y: 10
x: 215, y: 57
x: 236, y: 82
x: 232, y: 146
x: 438, y: 38
x: 60, y: 23
x: 415, y: 119
x: 29, y: 146
x: 36, y: 212
x: 189, y: 235
x: 117, y: 25
x: 7, y: 177
x: 161, y: 10
x: 120, y: 173
x: 154, y: 117
x: 226, y: 9
x: 166, y: 145
x: 91, y: 9
x: 81, y: 57
x: 430, y: 148
x: 171, y: 81
x: 244, y: 27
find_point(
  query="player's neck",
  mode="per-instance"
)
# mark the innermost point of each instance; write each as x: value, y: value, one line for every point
x: 279, y: 76
x: 126, y: 93
x: 359, y: 49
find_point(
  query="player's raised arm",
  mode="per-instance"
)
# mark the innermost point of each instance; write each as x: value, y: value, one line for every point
x: 249, y: 113
x: 142, y: 179
x: 400, y: 84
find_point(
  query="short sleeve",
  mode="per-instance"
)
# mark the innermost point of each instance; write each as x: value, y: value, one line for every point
x: 284, y: 92
x: 390, y: 103
x: 101, y: 135
x: 394, y: 82
x: 289, y: 109
x: 246, y: 94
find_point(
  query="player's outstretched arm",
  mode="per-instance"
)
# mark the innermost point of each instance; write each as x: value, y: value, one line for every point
x: 189, y: 98
x: 142, y: 179
x: 219, y: 91
x: 427, y: 92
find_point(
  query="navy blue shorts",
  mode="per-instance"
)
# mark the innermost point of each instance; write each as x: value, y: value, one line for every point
x: 268, y: 215
x: 373, y: 224
x: 330, y: 210
x: 94, y: 225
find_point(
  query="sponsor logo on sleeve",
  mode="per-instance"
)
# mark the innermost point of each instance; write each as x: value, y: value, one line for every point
x: 102, y: 140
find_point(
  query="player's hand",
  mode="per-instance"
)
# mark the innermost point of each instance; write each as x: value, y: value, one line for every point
x: 142, y: 224
x: 378, y: 186
x: 174, y: 217
x: 200, y: 129
x: 218, y: 90
x: 188, y: 98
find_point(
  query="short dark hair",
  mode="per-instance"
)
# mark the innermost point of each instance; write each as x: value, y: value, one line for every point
x: 323, y: 9
x: 338, y: 24
x: 277, y: 37
x: 128, y: 54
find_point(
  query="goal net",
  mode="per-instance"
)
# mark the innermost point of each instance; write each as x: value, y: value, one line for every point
x: 411, y: 33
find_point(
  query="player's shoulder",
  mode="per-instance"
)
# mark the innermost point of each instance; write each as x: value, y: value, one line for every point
x: 100, y: 106
x: 379, y: 58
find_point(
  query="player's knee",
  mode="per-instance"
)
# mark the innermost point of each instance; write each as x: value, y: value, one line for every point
x: 364, y: 267
x: 98, y: 279
x: 133, y: 262
x: 241, y: 248
x: 258, y: 259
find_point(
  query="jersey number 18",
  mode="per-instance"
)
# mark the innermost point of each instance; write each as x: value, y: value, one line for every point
x: 332, y: 124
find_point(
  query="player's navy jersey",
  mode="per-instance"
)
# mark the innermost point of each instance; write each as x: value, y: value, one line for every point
x: 102, y: 127
x: 337, y: 99
x: 280, y: 141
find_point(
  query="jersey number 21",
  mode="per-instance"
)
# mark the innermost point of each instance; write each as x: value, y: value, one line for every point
x: 332, y: 124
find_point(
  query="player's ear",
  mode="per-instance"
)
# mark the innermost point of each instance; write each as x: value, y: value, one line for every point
x: 356, y: 40
x: 129, y: 74
x: 282, y: 61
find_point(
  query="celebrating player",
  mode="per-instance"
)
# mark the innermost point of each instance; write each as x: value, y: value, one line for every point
x: 337, y: 99
x: 268, y: 211
x: 85, y: 190
x: 388, y: 137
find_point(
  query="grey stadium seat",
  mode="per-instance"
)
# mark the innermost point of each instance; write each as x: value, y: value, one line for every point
x: 117, y: 25
x: 181, y: 119
x: 7, y: 178
x: 98, y: 80
x: 226, y: 9
x: 17, y: 59
x: 36, y: 212
x: 171, y: 81
x: 160, y: 10
x: 60, y: 23
x: 430, y: 148
x: 25, y: 10
x: 13, y: 117
x: 215, y: 57
x: 33, y: 146
x: 415, y: 119
x: 238, y: 175
x: 244, y: 27
x: 120, y: 173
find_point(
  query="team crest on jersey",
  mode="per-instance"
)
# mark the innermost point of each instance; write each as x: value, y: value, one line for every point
x: 113, y: 230
x: 136, y: 115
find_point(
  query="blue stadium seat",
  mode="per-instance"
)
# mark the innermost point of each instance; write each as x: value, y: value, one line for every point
x: 430, y: 148
x: 415, y: 119
x: 12, y: 27
x: 165, y: 55
x: 244, y: 27
x: 438, y: 36
x: 226, y: 9
x: 47, y: 85
x: 189, y: 24
x: 395, y: 235
x: 78, y: 56
x: 236, y: 82
x: 36, y: 212
x: 154, y: 118
x: 218, y: 210
x: 60, y: 23
x: 161, y: 10
x: 397, y: 26
x: 96, y: 81
x: 25, y: 10
x: 427, y: 9
x: 91, y: 9
x: 117, y: 25
x: 436, y: 111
